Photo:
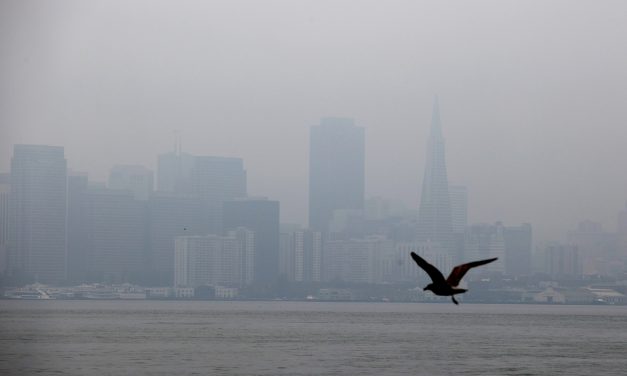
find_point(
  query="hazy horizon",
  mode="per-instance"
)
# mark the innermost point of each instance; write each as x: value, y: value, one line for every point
x: 532, y: 94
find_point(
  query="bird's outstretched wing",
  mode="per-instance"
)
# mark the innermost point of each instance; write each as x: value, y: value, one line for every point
x: 459, y: 271
x: 433, y: 272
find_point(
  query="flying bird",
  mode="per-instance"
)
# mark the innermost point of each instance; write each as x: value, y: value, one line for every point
x: 447, y: 287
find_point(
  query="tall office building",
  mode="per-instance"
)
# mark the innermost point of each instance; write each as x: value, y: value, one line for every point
x: 5, y: 188
x: 37, y: 209
x: 261, y: 216
x: 215, y: 180
x: 435, y: 223
x: 336, y: 170
x: 138, y: 179
x: 116, y: 235
x: 518, y: 243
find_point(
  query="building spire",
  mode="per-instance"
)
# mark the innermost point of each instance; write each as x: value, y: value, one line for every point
x: 177, y: 141
x: 436, y: 125
x: 435, y: 223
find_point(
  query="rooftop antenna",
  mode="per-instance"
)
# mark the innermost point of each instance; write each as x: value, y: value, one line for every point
x: 177, y: 142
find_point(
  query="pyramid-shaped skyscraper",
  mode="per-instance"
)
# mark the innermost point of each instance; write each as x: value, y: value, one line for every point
x: 434, y: 214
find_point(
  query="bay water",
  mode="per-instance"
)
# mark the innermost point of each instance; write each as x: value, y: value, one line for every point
x: 309, y: 338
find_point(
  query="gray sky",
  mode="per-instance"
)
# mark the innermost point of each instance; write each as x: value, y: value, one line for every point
x: 533, y: 94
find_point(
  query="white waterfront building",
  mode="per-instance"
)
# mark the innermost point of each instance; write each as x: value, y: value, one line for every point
x: 214, y: 260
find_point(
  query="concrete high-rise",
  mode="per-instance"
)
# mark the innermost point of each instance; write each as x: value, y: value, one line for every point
x: 37, y: 210
x: 261, y: 216
x: 213, y: 260
x: 435, y: 223
x: 302, y: 255
x: 336, y: 170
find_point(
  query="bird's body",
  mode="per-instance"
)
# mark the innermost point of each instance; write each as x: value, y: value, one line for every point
x: 448, y: 286
x: 445, y: 290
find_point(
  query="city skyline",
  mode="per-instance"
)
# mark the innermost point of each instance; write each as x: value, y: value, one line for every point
x: 534, y: 118
x: 610, y: 224
x: 125, y: 230
x: 545, y: 233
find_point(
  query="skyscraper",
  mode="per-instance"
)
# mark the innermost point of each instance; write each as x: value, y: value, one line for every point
x: 116, y: 241
x: 116, y: 235
x: 214, y: 181
x: 37, y: 209
x: 435, y: 223
x: 336, y: 169
x: 261, y: 216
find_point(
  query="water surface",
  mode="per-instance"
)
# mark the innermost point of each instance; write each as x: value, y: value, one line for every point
x: 309, y: 338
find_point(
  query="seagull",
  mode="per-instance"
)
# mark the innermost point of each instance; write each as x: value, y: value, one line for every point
x: 447, y: 287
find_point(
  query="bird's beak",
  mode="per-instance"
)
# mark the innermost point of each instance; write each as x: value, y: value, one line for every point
x: 425, y: 289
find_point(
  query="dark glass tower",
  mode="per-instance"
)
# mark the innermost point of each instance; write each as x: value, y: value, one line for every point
x: 435, y: 222
x: 336, y: 169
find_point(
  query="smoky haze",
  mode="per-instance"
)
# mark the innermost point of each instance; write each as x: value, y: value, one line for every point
x: 532, y: 94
